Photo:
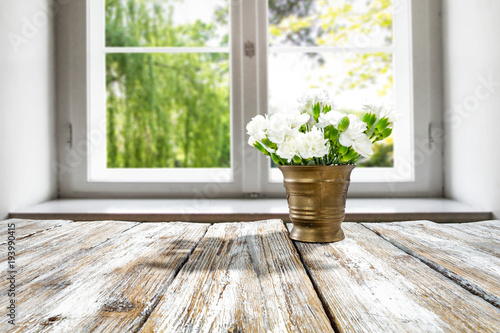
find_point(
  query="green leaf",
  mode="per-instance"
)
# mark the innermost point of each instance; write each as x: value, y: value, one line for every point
x: 261, y: 148
x: 344, y: 124
x: 333, y: 134
x: 350, y: 155
x: 276, y: 159
x: 386, y: 133
x: 371, y: 120
x: 316, y: 111
x: 343, y: 150
x: 269, y: 143
x: 366, y: 118
x: 382, y: 124
x: 297, y: 160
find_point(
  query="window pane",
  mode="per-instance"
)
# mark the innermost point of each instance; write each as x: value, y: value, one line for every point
x: 168, y: 110
x: 354, y: 79
x: 341, y: 23
x: 167, y: 23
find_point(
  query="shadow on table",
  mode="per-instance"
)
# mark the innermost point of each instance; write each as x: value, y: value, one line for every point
x: 269, y: 253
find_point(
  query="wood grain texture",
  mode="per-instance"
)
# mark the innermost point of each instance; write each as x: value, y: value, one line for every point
x: 369, y: 285
x: 111, y: 287
x: 489, y: 229
x: 468, y: 253
x: 26, y: 228
x: 42, y: 252
x: 242, y: 277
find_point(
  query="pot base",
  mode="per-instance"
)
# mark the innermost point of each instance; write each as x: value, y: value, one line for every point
x: 313, y: 233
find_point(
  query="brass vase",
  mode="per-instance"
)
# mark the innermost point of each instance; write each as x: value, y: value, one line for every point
x: 316, y: 198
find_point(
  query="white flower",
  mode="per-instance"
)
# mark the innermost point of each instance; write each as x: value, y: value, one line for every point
x: 285, y: 124
x: 330, y: 118
x: 257, y: 127
x: 288, y: 148
x: 355, y: 137
x: 312, y: 144
x: 295, y: 120
x: 278, y: 128
x: 311, y: 97
x: 283, y: 130
x: 363, y: 146
x: 252, y: 140
x: 382, y: 112
x: 354, y: 131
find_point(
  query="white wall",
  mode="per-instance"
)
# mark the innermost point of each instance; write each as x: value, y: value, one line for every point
x: 27, y: 115
x: 471, y: 36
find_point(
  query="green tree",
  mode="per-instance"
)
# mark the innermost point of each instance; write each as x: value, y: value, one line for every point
x: 164, y: 110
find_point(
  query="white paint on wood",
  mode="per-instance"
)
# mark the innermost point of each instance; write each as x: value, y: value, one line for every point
x: 368, y: 285
x: 488, y: 229
x: 242, y: 277
x: 37, y: 255
x: 467, y: 254
x: 110, y: 287
x: 25, y: 228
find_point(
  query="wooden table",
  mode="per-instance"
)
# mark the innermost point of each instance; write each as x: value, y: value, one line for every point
x: 109, y: 276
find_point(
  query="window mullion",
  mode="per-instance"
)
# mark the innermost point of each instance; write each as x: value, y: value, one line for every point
x: 250, y: 168
x: 173, y: 49
x: 328, y: 49
x: 96, y: 117
x: 263, y: 84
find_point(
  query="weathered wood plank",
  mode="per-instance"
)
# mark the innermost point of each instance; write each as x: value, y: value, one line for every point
x: 26, y: 228
x: 242, y: 277
x: 488, y: 229
x: 111, y: 287
x: 468, y: 254
x: 369, y: 285
x: 42, y: 252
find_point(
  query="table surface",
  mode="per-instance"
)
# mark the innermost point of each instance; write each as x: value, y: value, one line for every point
x: 109, y: 276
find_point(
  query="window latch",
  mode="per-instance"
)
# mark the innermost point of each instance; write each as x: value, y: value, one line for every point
x: 249, y: 49
x: 69, y: 140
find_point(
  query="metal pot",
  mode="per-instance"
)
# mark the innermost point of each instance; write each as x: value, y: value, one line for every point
x: 316, y: 198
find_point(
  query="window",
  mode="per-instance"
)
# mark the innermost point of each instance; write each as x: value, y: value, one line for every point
x: 356, y: 49
x: 172, y: 83
x: 160, y: 86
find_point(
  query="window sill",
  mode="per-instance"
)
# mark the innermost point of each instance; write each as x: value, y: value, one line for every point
x: 230, y: 210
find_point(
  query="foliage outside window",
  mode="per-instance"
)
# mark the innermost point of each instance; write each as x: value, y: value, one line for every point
x: 172, y: 109
x: 166, y: 110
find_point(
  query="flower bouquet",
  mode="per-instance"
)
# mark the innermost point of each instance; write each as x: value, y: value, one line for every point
x: 316, y: 148
x: 315, y: 134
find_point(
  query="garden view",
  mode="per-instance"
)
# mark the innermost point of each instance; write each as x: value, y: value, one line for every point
x: 172, y: 110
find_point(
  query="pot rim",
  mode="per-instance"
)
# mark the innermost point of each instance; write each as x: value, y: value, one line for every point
x: 318, y: 166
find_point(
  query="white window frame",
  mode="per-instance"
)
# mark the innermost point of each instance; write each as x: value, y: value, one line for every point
x: 247, y: 99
